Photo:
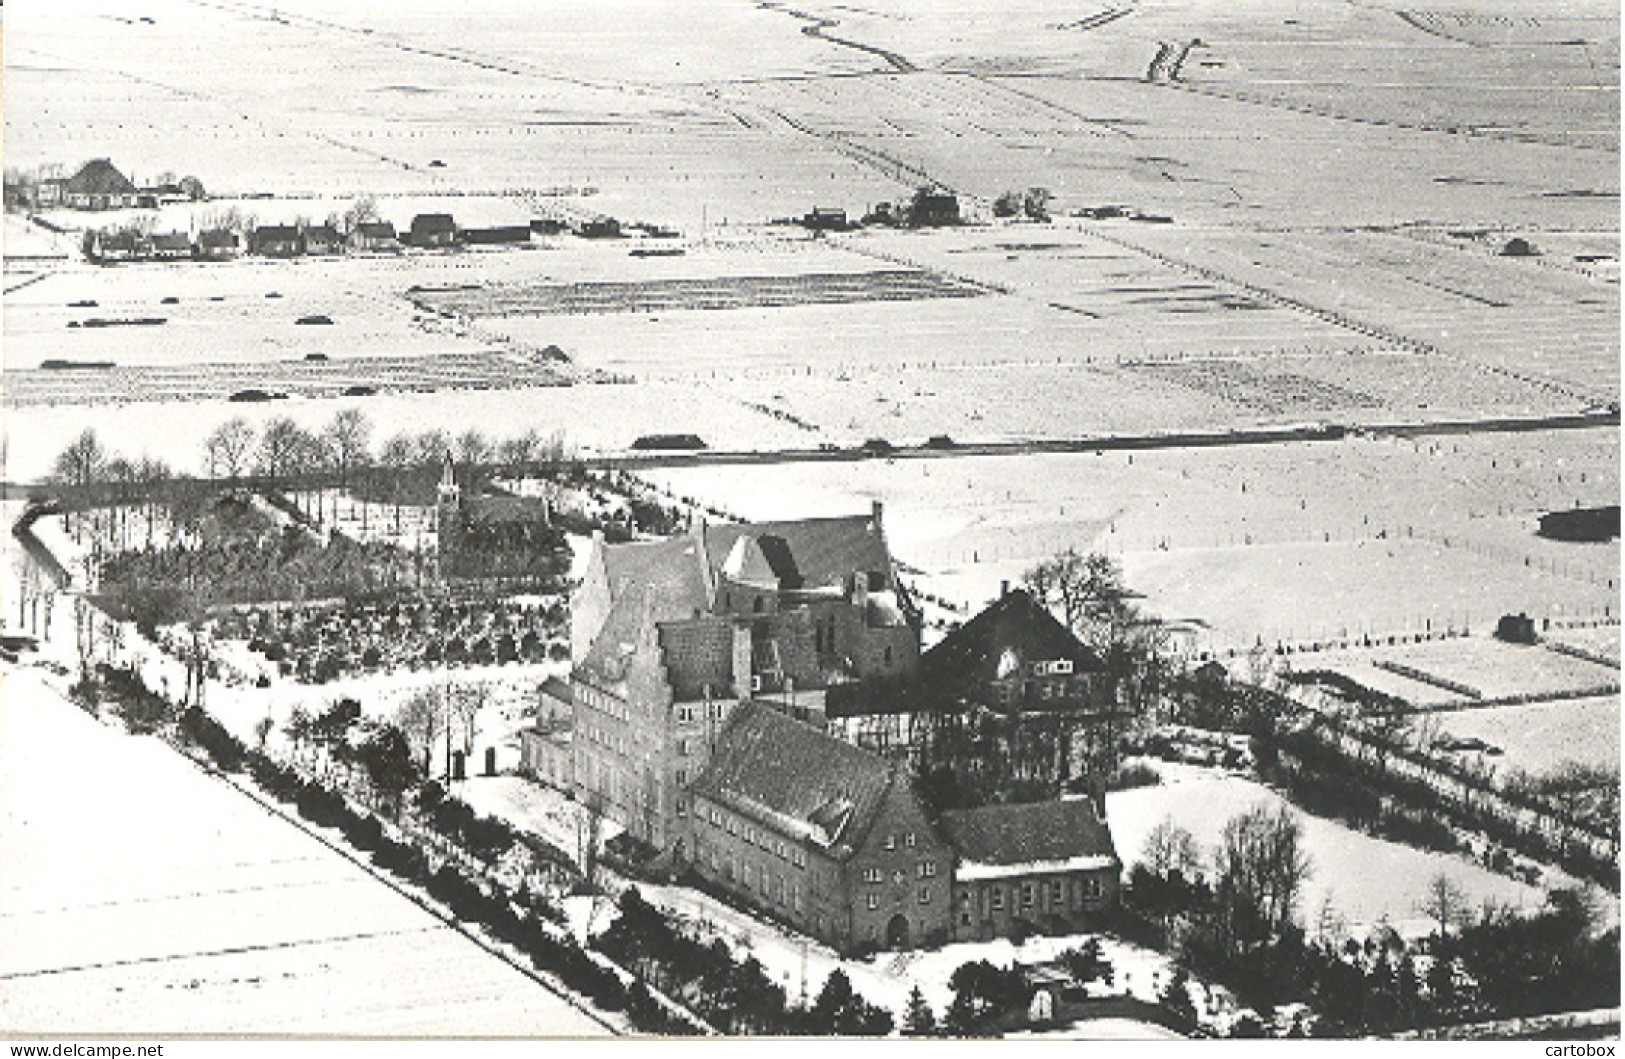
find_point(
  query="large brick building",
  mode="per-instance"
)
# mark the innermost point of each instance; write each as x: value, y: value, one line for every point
x: 821, y: 834
x: 670, y: 636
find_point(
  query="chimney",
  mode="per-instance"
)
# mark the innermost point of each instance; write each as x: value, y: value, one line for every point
x: 876, y: 509
x: 1004, y: 589
x: 741, y: 661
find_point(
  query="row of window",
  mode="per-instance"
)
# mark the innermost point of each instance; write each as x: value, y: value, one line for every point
x: 772, y: 886
x: 688, y: 713
x: 872, y: 901
x: 757, y: 836
x: 925, y: 869
x: 1090, y: 890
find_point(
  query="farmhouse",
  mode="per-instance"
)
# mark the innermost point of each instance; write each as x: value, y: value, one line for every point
x: 1047, y: 866
x: 277, y: 240
x: 825, y: 220
x: 933, y: 209
x: 432, y: 230
x: 323, y: 239
x: 600, y: 228
x: 171, y: 246
x: 1009, y: 700
x: 374, y: 236
x: 670, y: 636
x: 120, y: 245
x: 98, y: 185
x: 820, y: 834
x: 217, y: 244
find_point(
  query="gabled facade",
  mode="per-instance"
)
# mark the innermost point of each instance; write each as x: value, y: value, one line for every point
x: 278, y: 240
x: 171, y: 246
x: 432, y: 230
x: 1009, y: 705
x: 98, y: 185
x: 217, y: 244
x: 323, y: 239
x: 819, y: 834
x: 374, y: 236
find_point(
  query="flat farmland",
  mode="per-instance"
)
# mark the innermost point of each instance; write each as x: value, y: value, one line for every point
x: 1533, y: 316
x: 499, y: 100
x: 1283, y: 542
x: 200, y: 912
x: 1497, y: 670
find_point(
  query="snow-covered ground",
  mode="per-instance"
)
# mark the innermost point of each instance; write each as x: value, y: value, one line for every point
x: 139, y: 895
x: 1540, y: 736
x: 1362, y: 881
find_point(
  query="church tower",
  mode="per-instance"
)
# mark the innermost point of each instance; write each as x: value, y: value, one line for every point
x: 448, y: 509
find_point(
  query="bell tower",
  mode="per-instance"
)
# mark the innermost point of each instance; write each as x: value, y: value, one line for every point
x: 448, y: 508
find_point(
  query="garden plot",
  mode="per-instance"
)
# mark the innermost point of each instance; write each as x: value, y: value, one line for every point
x: 202, y: 913
x: 1540, y: 737
x: 721, y: 292
x: 1499, y: 670
x: 1365, y: 882
x: 306, y: 378
x: 887, y: 978
x: 1601, y: 641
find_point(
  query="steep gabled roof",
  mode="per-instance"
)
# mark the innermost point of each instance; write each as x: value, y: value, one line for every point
x: 795, y: 779
x: 1000, y: 840
x: 974, y: 653
x: 819, y: 552
x: 672, y: 566
x: 99, y: 177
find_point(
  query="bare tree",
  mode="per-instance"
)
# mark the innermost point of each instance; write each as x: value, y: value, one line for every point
x: 280, y: 448
x: 1445, y: 903
x: 362, y: 210
x: 1171, y: 848
x: 1260, y: 866
x: 228, y: 448
x: 473, y: 449
x: 422, y: 719
x: 463, y: 705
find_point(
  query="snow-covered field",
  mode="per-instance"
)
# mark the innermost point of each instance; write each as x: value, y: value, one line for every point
x: 1537, y: 737
x: 1301, y: 542
x: 1362, y: 881
x: 140, y: 895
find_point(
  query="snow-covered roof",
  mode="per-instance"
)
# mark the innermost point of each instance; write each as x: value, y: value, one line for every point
x: 971, y: 871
